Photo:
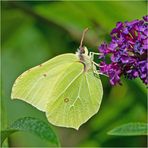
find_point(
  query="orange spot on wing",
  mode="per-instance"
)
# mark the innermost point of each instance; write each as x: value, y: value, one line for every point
x: 44, y: 74
x: 66, y: 100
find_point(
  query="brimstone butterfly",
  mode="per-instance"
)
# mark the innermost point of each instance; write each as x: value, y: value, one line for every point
x: 65, y: 88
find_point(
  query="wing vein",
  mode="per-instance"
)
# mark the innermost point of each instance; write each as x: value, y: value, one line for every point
x: 78, y: 96
x: 88, y: 88
x: 75, y: 78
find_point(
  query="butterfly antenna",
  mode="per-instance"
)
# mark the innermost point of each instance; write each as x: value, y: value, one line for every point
x: 81, y: 43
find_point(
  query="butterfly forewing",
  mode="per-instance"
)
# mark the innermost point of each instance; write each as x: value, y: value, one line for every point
x: 35, y: 85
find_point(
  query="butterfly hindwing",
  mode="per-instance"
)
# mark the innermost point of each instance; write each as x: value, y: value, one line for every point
x: 75, y: 99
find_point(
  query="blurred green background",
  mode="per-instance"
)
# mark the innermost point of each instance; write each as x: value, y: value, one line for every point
x: 33, y: 32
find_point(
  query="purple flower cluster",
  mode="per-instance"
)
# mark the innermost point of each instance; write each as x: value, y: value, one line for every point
x: 127, y: 51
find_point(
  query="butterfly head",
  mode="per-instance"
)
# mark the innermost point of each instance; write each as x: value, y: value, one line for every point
x: 84, y: 58
x: 82, y: 51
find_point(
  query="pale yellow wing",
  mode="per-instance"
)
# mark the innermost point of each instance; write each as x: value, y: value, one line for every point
x: 76, y: 97
x: 36, y: 84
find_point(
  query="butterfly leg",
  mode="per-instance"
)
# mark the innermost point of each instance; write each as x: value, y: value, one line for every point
x: 92, y: 54
x: 96, y: 72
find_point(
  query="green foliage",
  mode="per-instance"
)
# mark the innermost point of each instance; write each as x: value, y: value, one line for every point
x: 6, y: 133
x: 130, y: 129
x: 33, y: 125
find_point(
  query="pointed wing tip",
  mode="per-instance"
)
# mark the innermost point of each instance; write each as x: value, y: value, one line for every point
x: 75, y: 127
x: 12, y: 91
x: 72, y: 127
x: 12, y: 96
x: 66, y: 126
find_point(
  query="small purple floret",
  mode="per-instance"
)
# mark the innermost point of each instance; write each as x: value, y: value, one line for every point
x: 127, y: 51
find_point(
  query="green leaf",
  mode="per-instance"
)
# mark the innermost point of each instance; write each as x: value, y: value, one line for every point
x: 130, y: 129
x: 5, y: 134
x: 33, y: 125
